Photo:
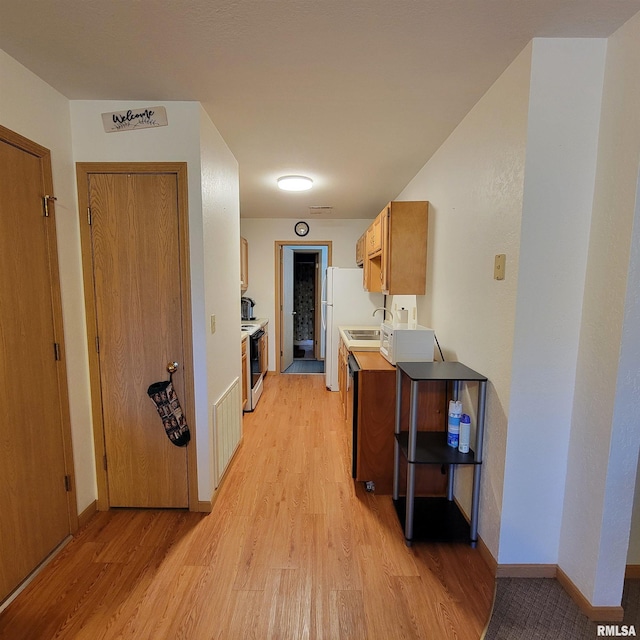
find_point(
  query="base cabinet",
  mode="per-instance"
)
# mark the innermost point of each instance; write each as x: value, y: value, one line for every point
x: 343, y: 375
x: 245, y: 373
x: 374, y: 428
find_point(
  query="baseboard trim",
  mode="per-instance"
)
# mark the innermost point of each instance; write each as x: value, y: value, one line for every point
x: 487, y: 556
x: 205, y: 506
x: 87, y: 514
x: 632, y: 571
x: 595, y: 614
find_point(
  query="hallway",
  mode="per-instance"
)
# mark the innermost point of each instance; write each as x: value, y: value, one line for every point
x: 291, y: 550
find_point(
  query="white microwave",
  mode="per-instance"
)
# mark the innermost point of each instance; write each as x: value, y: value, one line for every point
x: 406, y: 345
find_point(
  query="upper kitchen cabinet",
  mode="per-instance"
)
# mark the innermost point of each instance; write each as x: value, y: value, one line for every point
x: 374, y: 237
x: 244, y: 264
x: 360, y: 249
x: 396, y: 250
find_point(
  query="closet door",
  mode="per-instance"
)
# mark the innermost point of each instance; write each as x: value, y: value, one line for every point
x: 140, y: 318
x: 35, y: 504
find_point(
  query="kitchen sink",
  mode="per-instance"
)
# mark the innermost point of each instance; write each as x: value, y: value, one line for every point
x: 363, y: 334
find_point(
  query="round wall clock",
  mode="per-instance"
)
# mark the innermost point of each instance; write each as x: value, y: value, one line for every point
x: 301, y: 228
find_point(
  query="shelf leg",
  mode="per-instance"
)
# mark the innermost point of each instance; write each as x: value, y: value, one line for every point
x: 411, y: 467
x: 477, y: 471
x: 451, y: 472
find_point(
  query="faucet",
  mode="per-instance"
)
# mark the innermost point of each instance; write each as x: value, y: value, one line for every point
x: 383, y: 309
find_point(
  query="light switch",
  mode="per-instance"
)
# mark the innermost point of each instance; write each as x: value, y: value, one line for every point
x: 499, y: 266
x: 213, y: 324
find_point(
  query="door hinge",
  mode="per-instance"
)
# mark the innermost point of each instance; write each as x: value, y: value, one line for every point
x: 56, y: 350
x: 104, y: 461
x: 45, y: 200
x: 67, y: 483
x: 89, y: 219
x: 97, y: 344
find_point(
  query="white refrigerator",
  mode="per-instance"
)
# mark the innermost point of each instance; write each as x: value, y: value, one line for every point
x: 344, y: 303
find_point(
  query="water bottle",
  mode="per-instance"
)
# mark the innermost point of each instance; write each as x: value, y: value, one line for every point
x: 453, y: 424
x: 465, y: 433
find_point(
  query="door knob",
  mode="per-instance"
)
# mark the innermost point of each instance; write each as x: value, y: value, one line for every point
x: 172, y: 367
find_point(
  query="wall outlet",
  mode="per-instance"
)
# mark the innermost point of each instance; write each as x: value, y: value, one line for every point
x: 499, y: 266
x: 213, y: 324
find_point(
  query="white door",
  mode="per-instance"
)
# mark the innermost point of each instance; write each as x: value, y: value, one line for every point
x: 286, y: 339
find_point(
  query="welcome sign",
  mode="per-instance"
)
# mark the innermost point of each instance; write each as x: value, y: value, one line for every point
x: 130, y: 119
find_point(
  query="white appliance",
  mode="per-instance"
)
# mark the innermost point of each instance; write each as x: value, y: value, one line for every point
x: 406, y: 345
x: 257, y: 368
x: 344, y: 303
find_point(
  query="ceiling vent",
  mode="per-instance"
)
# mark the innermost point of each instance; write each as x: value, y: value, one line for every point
x: 318, y: 210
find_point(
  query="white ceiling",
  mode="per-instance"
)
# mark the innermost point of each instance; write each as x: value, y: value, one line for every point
x: 356, y: 94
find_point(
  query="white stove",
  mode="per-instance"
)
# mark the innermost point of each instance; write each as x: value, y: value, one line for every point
x: 257, y: 360
x: 250, y: 328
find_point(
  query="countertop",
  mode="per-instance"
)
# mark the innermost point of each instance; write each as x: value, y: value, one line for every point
x: 263, y: 322
x: 360, y: 345
x: 372, y: 361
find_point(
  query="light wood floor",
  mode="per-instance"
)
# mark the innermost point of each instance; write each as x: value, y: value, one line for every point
x: 293, y: 549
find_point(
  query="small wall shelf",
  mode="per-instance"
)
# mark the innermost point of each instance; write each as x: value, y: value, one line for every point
x: 435, y: 518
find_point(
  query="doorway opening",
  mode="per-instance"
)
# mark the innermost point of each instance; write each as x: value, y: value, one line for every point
x: 299, y: 331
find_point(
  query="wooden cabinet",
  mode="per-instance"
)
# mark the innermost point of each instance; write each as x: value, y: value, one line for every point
x: 360, y: 249
x: 244, y: 264
x: 343, y: 375
x: 245, y: 373
x: 374, y: 237
x: 399, y: 265
x: 264, y: 345
x: 376, y: 402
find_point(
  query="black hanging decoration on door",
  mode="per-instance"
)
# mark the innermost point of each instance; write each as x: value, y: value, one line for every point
x: 166, y: 401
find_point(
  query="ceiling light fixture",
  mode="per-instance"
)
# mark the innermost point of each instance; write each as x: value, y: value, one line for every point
x: 295, y: 183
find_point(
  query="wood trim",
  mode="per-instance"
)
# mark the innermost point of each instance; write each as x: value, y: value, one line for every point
x: 206, y: 506
x: 83, y: 170
x: 526, y: 570
x: 599, y: 614
x: 632, y: 571
x: 87, y: 514
x: 278, y: 284
x: 487, y: 556
x: 44, y: 155
x: 594, y: 613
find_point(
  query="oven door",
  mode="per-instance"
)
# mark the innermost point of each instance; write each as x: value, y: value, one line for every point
x: 256, y: 356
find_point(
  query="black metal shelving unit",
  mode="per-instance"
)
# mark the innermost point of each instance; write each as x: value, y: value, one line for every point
x: 436, y: 519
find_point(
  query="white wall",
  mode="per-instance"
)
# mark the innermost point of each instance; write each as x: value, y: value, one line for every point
x: 33, y: 109
x: 220, y: 243
x: 262, y: 234
x: 603, y: 451
x: 633, y: 555
x: 214, y: 238
x: 474, y: 184
x: 564, y: 114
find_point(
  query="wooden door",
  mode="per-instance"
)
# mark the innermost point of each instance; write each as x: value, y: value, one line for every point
x: 136, y: 260
x: 37, y: 511
x: 287, y: 312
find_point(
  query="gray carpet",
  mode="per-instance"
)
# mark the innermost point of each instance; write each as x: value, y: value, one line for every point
x: 306, y: 366
x: 540, y: 609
